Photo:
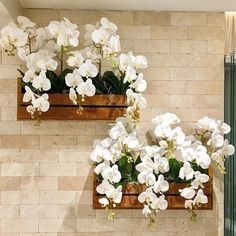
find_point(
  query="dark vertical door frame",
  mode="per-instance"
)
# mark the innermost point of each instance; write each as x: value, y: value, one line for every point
x: 230, y: 118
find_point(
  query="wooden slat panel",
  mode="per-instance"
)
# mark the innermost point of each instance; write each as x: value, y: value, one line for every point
x: 72, y: 113
x: 174, y: 202
x: 98, y: 107
x: 97, y: 100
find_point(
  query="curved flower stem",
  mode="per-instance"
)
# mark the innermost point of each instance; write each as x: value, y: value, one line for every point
x: 61, y: 58
x: 193, y: 214
x: 100, y: 63
x: 151, y: 220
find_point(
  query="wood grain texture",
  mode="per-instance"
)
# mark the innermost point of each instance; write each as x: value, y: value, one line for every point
x: 175, y: 201
x: 98, y: 107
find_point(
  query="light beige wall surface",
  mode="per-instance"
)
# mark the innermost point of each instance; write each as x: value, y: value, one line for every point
x: 46, y: 180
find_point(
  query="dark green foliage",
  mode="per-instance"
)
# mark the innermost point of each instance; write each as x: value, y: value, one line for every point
x: 174, y: 169
x: 108, y: 83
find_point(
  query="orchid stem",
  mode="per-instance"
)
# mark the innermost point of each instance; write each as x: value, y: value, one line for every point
x: 61, y: 59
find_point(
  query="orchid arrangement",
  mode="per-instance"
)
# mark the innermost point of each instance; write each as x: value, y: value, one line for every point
x: 44, y: 49
x: 171, y: 157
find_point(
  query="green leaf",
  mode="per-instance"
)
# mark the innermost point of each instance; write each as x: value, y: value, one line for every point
x: 135, y: 172
x: 21, y: 73
x: 174, y: 169
x: 63, y: 87
x: 55, y: 83
x: 125, y: 167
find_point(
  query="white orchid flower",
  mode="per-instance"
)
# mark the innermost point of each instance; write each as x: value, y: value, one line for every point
x: 147, y: 196
x: 91, y: 54
x: 88, y: 70
x: 73, y: 79
x: 41, y: 60
x: 108, y: 25
x: 103, y: 201
x: 47, y: 63
x: 200, y: 198
x: 187, y: 193
x: 161, y: 164
x: 13, y: 36
x: 25, y: 22
x: 186, y: 171
x: 112, y: 174
x: 136, y: 99
x: 188, y: 204
x: 114, y: 43
x: 21, y: 53
x: 86, y: 88
x: 75, y: 59
x: 227, y: 149
x: 100, y: 36
x: 202, y: 157
x: 176, y: 135
x: 146, y: 210
x: 160, y: 203
x: 107, y: 142
x: 163, y: 144
x: 88, y: 33
x: 225, y: 128
x: 216, y: 139
x: 100, y: 153
x: 30, y: 109
x: 161, y: 185
x: 124, y: 62
x: 28, y: 95
x: 140, y: 62
x: 64, y: 32
x: 162, y: 131
x: 41, y: 103
x: 169, y: 119
x: 132, y: 141
x: 29, y: 76
x: 41, y: 82
x: 207, y: 124
x: 139, y: 84
x: 101, y: 166
x: 112, y: 46
x: 150, y: 151
x: 199, y: 180
x: 73, y: 96
x: 147, y: 177
x: 130, y: 75
x: 104, y: 187
x: 115, y: 194
x: 118, y: 131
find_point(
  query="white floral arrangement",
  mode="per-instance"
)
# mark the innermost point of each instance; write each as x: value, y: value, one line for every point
x: 43, y: 49
x: 121, y: 159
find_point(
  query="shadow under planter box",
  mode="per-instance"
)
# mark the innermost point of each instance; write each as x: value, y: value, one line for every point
x: 98, y: 107
x: 175, y: 201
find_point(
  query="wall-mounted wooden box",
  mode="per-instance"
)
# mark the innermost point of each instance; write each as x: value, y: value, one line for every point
x: 175, y: 201
x: 98, y: 107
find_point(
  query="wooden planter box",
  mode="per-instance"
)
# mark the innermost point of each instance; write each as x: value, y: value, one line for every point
x: 175, y: 201
x: 98, y: 107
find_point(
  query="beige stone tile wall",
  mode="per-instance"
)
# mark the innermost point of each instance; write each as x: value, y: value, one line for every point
x: 46, y: 180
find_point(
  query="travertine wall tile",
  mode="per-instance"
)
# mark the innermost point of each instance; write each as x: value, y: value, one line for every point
x: 188, y: 19
x: 151, y: 46
x: 46, y: 180
x: 188, y: 46
x: 151, y: 18
x: 207, y: 33
x: 20, y: 169
x: 58, y: 169
x: 169, y: 32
